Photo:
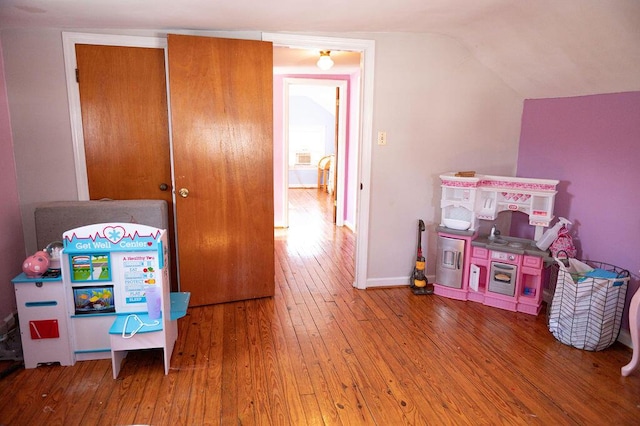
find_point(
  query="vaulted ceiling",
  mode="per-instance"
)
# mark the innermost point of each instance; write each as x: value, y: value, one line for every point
x: 542, y: 48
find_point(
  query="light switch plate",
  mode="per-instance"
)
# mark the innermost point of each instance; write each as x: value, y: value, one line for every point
x: 382, y: 138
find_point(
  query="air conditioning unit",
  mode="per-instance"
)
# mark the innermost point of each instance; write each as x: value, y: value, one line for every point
x: 303, y: 158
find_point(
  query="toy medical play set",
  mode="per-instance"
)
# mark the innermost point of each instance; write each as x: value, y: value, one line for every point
x: 111, y: 295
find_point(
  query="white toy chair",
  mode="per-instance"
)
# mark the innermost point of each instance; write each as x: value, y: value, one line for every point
x: 133, y: 331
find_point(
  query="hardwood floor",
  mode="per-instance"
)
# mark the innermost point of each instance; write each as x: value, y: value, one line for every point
x: 321, y: 352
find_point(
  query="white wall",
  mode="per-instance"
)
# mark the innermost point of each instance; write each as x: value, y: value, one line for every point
x: 34, y: 71
x: 441, y: 109
x: 37, y: 93
x: 11, y: 243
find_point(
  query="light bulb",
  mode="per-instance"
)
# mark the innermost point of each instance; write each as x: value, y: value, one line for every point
x: 325, y: 62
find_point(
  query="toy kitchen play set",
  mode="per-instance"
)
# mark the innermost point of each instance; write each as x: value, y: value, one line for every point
x: 500, y: 271
x: 111, y: 295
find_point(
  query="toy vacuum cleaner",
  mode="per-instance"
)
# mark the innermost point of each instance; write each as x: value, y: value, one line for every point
x: 418, y: 280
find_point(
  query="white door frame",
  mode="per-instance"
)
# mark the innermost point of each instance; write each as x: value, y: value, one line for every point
x: 367, y: 51
x: 69, y: 41
x: 342, y: 142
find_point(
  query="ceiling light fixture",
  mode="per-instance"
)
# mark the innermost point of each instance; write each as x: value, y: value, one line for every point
x: 325, y: 62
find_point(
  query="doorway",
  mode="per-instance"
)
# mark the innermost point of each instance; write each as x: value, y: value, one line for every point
x: 362, y: 168
x: 315, y: 126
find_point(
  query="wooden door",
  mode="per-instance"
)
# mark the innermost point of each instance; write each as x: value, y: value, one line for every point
x: 123, y: 97
x: 221, y: 95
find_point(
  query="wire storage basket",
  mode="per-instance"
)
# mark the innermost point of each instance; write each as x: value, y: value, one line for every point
x: 588, y: 301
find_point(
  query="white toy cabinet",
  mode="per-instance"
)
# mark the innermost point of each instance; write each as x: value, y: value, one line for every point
x: 43, y: 320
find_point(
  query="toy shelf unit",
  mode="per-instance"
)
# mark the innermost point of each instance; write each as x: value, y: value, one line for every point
x: 465, y: 200
x: 42, y: 317
x: 530, y: 289
x: 458, y: 202
x: 110, y: 272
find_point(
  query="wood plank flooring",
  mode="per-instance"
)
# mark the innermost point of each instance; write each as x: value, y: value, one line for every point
x: 322, y: 353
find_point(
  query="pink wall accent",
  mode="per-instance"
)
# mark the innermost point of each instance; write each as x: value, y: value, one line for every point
x: 592, y: 145
x: 278, y: 148
x: 12, y: 251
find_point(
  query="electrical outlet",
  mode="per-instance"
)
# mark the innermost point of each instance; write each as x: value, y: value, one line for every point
x: 382, y: 138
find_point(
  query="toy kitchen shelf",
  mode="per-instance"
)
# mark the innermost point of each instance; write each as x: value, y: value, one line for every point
x: 465, y: 200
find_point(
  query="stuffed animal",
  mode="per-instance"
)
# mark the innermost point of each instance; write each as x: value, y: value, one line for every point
x: 36, y: 264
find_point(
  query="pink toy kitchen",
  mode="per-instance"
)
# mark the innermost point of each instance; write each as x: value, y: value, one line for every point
x: 478, y: 262
x: 492, y: 267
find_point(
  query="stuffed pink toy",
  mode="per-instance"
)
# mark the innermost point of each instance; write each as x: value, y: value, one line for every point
x: 36, y: 264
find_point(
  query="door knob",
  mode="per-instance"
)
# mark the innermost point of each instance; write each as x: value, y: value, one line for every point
x: 164, y: 187
x: 184, y: 192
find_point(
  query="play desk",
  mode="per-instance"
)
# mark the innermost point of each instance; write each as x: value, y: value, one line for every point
x: 98, y: 308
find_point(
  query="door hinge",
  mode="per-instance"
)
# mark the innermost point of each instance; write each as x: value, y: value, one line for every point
x: 77, y: 75
x: 361, y: 186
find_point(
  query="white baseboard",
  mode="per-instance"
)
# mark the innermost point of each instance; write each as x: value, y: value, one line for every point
x: 303, y: 185
x: 392, y: 282
x: 387, y: 282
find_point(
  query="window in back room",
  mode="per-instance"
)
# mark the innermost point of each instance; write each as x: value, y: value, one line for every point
x: 311, y: 130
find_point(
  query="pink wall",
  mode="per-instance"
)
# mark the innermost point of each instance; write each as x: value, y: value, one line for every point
x: 12, y: 251
x: 278, y: 148
x: 592, y: 145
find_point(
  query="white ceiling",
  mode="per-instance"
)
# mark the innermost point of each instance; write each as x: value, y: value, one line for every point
x: 541, y: 48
